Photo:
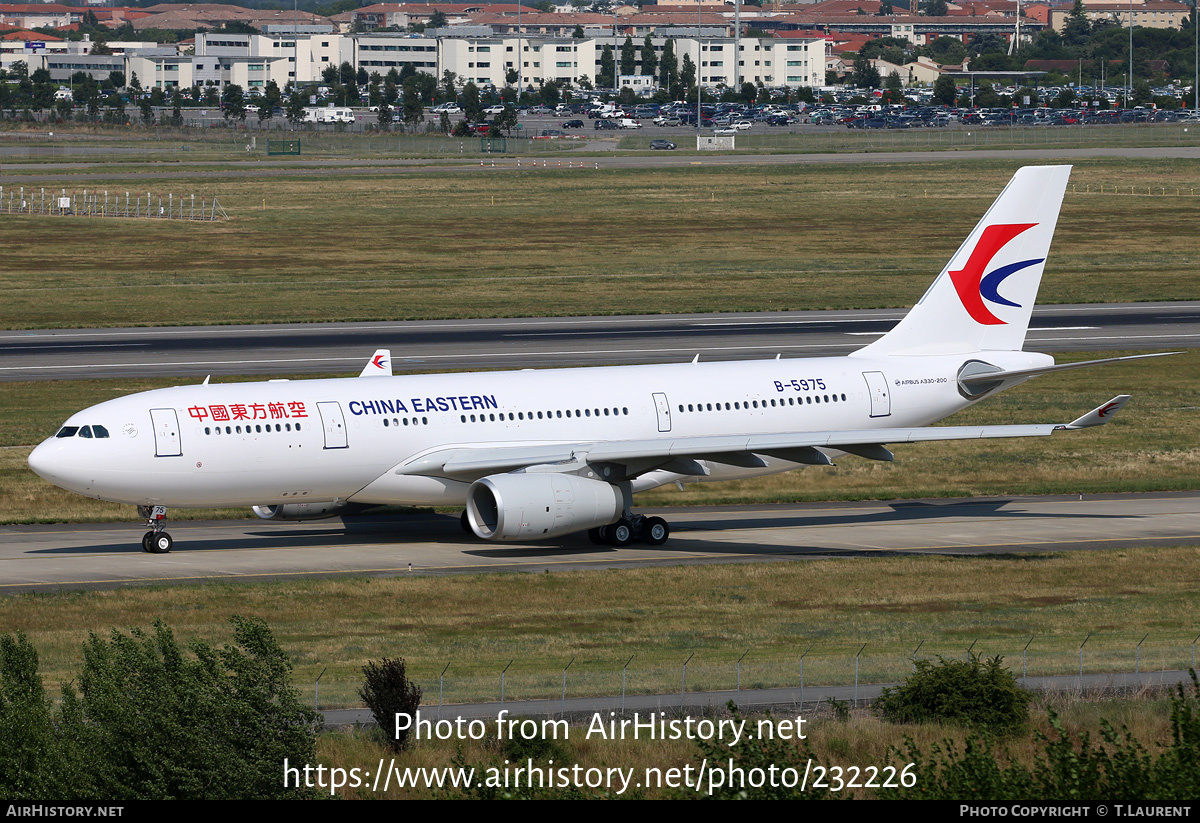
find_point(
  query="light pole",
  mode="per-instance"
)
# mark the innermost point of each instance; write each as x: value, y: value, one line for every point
x: 1129, y: 87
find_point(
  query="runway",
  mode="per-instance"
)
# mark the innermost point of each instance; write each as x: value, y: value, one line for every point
x: 469, y: 345
x: 51, y: 557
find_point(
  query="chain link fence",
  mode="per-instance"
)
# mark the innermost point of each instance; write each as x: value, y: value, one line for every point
x: 807, y: 665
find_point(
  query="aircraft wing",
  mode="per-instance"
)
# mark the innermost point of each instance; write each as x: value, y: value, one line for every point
x: 625, y: 459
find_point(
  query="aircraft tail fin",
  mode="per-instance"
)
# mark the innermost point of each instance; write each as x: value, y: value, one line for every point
x: 983, y: 298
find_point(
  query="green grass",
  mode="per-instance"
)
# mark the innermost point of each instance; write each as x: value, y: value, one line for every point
x: 479, y: 623
x: 568, y: 242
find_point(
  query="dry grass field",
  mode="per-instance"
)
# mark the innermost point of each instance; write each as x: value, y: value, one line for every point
x: 479, y: 623
x: 435, y: 244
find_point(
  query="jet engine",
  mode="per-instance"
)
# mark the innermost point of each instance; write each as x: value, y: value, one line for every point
x: 301, y: 511
x: 535, y: 506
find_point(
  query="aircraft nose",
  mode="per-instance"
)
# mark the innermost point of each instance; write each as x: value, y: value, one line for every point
x: 42, y: 461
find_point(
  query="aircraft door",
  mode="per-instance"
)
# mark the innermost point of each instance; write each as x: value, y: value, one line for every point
x: 166, y: 433
x: 881, y: 401
x: 334, y: 423
x: 664, y: 411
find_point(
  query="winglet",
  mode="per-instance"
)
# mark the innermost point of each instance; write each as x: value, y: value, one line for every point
x: 1100, y: 415
x: 380, y: 364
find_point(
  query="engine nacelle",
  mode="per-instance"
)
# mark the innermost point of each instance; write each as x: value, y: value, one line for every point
x: 300, y: 511
x: 540, y: 505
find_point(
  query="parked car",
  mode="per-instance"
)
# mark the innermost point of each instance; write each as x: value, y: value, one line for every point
x: 665, y: 145
x: 628, y: 123
x: 571, y: 124
x: 497, y: 109
x: 604, y: 124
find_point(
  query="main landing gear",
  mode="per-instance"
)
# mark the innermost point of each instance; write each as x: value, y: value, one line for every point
x: 155, y: 541
x: 632, y: 528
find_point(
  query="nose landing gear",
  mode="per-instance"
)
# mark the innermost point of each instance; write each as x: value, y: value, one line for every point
x: 155, y: 541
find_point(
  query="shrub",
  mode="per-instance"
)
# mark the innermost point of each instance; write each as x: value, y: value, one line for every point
x: 217, y: 724
x: 977, y: 693
x: 388, y: 692
x: 1067, y: 767
x: 150, y: 721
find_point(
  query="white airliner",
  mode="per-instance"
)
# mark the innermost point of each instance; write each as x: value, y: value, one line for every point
x: 538, y: 454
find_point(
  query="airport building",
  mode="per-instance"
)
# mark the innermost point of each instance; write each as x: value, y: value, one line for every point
x: 253, y: 60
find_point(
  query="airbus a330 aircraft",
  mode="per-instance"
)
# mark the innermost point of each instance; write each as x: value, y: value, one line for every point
x: 537, y: 454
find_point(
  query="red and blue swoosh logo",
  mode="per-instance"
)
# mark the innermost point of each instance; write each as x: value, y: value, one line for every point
x: 975, y: 284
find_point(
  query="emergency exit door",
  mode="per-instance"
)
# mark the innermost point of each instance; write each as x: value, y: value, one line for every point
x: 881, y: 400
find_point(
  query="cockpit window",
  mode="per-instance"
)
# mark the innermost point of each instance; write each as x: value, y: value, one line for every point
x: 86, y: 431
x: 67, y: 431
x: 99, y: 431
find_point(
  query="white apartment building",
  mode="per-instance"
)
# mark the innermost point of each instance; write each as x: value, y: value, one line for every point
x: 253, y: 60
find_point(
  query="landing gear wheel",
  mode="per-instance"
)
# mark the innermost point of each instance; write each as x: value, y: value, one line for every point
x: 655, y: 531
x: 146, y: 538
x: 619, y: 534
x: 160, y: 543
x: 597, y: 536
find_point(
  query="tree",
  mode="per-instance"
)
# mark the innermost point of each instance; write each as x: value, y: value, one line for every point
x: 578, y: 33
x: 606, y: 77
x: 437, y: 20
x: 946, y: 51
x: 296, y: 103
x: 37, y: 758
x: 272, y: 96
x: 649, y: 58
x: 413, y: 106
x: 866, y: 76
x: 160, y: 723
x: 233, y: 102
x: 945, y: 91
x: 668, y: 66
x: 449, y: 82
x: 470, y: 102
x: 749, y: 93
x: 390, y: 695
x: 147, y: 111
x: 935, y: 8
x: 687, y: 74
x: 507, y: 119
x: 1078, y: 29
x: 628, y: 57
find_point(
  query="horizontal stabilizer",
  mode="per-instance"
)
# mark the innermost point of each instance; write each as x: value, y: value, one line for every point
x: 990, y: 377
